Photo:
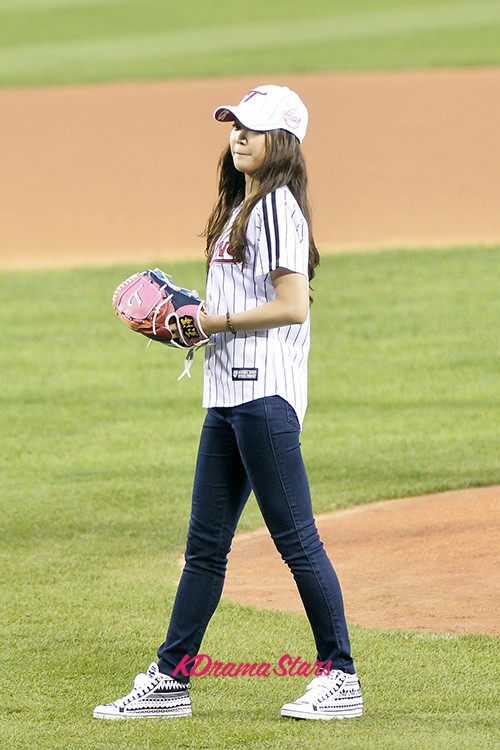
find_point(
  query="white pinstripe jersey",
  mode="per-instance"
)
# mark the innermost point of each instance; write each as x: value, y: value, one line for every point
x: 254, y: 364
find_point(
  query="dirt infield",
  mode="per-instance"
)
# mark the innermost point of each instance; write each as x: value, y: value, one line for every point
x: 126, y: 172
x: 425, y: 563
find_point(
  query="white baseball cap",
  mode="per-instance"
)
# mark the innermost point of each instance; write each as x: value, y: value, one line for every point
x: 268, y: 108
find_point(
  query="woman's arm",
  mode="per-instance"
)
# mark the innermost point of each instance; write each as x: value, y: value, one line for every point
x: 290, y: 306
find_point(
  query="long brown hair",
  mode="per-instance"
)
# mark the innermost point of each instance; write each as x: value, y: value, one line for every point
x: 284, y: 166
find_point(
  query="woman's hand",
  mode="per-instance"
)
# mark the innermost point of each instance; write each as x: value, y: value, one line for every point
x: 207, y: 323
x: 174, y: 331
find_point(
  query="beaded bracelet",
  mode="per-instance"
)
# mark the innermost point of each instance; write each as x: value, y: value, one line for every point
x: 229, y: 324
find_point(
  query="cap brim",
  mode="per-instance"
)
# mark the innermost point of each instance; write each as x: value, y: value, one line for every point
x: 225, y: 114
x: 231, y: 114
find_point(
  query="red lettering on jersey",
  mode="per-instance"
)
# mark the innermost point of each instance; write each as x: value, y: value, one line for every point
x: 222, y: 253
x: 222, y: 248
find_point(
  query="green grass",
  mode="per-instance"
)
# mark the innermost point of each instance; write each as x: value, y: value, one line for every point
x: 410, y: 356
x: 98, y: 445
x: 63, y: 41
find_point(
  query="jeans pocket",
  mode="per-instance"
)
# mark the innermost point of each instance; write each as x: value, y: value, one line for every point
x: 291, y: 417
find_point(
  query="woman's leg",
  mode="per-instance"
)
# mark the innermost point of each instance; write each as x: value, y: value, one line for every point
x: 220, y: 491
x: 267, y: 432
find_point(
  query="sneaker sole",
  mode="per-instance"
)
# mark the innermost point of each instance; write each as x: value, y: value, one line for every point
x: 143, y: 715
x: 296, y: 713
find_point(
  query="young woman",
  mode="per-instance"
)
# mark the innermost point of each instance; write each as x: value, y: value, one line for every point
x: 261, y: 257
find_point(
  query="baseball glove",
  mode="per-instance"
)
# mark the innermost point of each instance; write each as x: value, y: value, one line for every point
x: 152, y: 304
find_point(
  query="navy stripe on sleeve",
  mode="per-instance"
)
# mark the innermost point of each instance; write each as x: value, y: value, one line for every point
x: 276, y: 227
x: 267, y: 230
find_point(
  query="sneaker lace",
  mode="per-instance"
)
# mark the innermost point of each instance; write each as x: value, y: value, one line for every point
x: 324, y: 685
x: 153, y: 678
x: 141, y: 680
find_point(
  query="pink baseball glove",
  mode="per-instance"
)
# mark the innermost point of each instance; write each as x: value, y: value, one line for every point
x: 150, y: 303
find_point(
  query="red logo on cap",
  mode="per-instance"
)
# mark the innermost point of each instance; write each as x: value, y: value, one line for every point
x: 252, y: 94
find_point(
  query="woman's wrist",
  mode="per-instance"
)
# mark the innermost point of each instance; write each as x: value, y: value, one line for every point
x: 214, y: 323
x: 229, y: 324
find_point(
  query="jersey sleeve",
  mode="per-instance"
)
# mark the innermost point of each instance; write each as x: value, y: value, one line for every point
x: 282, y: 239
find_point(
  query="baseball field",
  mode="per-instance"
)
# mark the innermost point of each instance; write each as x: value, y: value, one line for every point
x: 108, y: 159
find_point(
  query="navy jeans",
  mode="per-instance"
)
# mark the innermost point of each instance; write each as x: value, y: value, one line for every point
x: 254, y: 446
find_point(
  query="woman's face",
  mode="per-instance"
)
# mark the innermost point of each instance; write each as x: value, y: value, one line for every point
x: 248, y: 149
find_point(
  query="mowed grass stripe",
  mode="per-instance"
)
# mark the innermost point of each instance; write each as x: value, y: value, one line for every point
x: 9, y: 6
x: 247, y: 36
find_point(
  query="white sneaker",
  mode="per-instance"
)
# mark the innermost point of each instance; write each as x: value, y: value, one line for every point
x: 154, y: 695
x: 333, y: 696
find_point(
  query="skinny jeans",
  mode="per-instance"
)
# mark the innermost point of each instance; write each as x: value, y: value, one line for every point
x: 253, y: 446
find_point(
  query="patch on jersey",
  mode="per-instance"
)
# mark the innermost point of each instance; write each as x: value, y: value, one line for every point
x: 245, y: 373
